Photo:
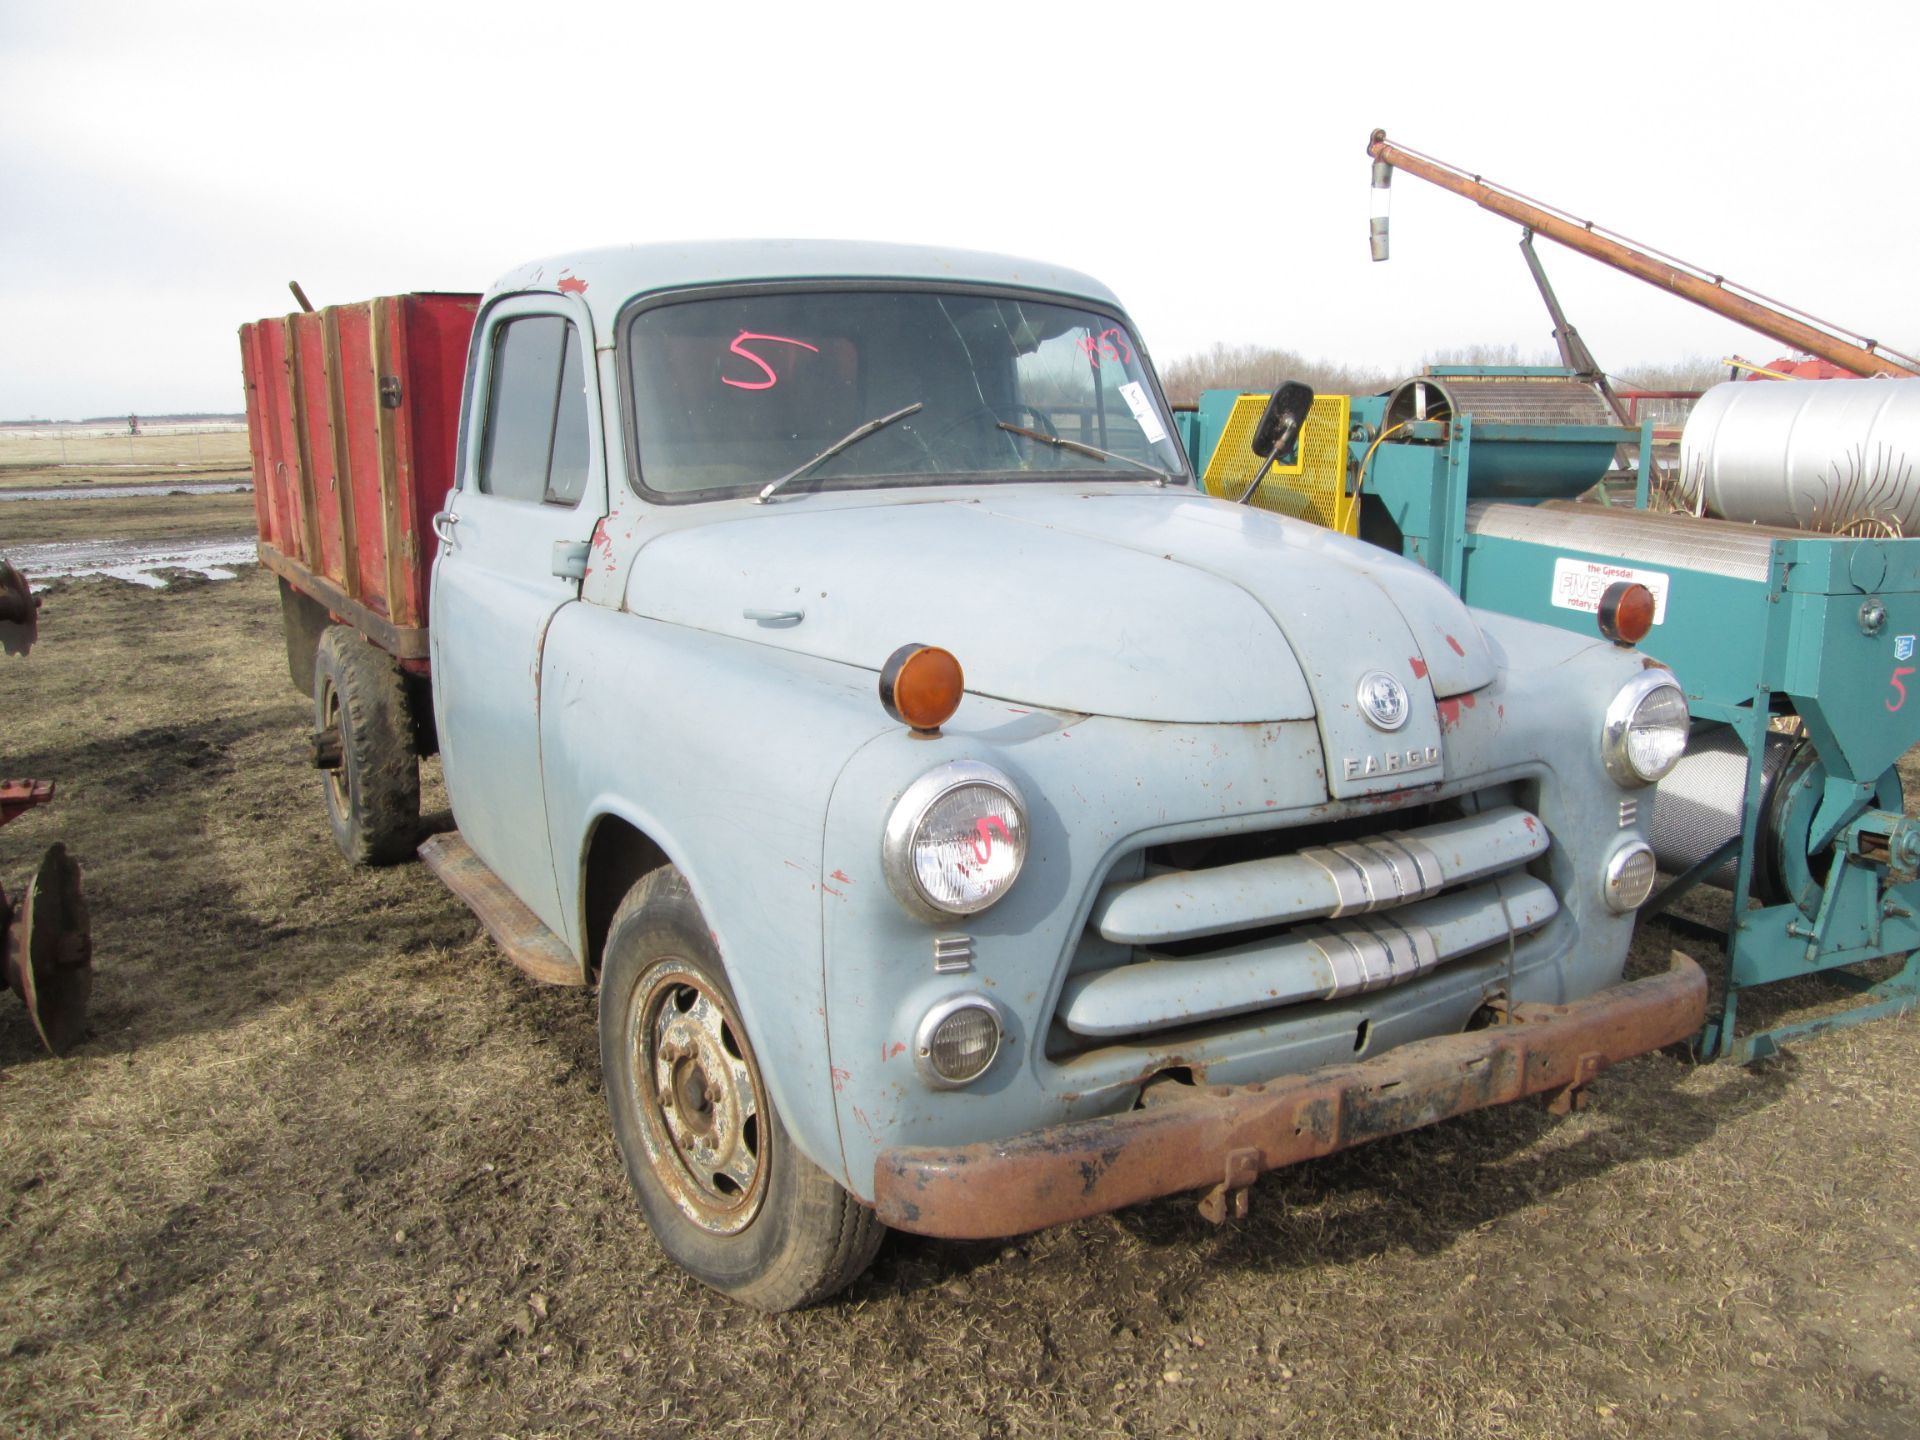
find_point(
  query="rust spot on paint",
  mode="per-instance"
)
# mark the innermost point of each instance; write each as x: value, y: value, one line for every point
x: 1419, y: 667
x: 1532, y: 824
x: 570, y: 285
x: 887, y: 1052
x: 842, y: 877
x: 1458, y: 649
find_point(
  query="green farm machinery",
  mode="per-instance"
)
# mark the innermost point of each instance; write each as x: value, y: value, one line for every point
x: 1796, y: 649
x: 1783, y: 595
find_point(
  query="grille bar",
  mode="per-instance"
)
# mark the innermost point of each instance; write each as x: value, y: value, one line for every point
x: 1319, y: 962
x: 1387, y: 870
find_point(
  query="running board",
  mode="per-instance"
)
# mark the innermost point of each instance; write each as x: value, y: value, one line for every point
x: 527, y: 941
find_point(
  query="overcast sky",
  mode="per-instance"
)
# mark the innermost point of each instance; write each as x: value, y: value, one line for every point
x: 165, y: 169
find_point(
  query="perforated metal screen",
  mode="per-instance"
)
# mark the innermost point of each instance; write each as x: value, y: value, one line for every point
x: 1315, y: 489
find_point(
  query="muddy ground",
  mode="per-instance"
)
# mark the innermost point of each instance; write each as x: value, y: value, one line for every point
x: 161, y: 517
x: 329, y: 1167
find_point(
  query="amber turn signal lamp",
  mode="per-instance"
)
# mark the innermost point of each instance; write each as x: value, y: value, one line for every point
x: 921, y: 685
x: 1626, y: 612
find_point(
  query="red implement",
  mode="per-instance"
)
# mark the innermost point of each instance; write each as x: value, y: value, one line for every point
x: 19, y: 796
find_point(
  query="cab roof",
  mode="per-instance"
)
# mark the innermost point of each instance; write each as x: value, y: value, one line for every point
x: 607, y: 278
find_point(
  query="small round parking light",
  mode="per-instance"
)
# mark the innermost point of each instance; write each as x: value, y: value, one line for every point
x: 956, y: 1041
x: 921, y: 685
x: 1626, y: 612
x: 1629, y: 878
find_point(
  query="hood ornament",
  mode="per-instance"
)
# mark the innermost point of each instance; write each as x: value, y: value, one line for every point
x: 1383, y: 700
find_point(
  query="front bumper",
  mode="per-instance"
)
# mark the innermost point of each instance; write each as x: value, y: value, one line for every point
x: 1225, y: 1136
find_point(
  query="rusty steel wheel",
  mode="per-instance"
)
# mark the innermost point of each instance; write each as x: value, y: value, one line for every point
x: 698, y: 1098
x: 730, y: 1196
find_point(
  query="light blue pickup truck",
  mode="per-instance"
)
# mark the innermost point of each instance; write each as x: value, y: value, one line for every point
x: 969, y: 824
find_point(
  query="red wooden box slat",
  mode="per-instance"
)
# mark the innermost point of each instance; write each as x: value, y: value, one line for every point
x: 345, y: 487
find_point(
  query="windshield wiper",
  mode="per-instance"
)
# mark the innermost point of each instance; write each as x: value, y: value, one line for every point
x: 1160, y: 476
x: 851, y: 437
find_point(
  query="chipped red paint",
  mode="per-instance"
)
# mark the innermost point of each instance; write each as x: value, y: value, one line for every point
x: 842, y: 877
x: 1450, y: 710
x: 570, y: 285
x: 1458, y: 649
x: 1419, y: 667
x: 837, y: 894
x: 887, y: 1052
x: 1532, y: 824
x: 840, y: 1078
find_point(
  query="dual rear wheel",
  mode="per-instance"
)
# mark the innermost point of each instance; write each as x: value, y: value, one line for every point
x: 362, y: 717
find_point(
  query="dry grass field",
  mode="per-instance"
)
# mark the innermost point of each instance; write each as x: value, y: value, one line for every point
x: 329, y: 1167
x: 57, y: 455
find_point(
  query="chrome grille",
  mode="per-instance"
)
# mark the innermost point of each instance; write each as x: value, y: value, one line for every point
x: 1310, y: 924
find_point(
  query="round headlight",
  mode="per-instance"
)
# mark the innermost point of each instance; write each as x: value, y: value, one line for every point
x: 957, y: 1040
x: 956, y: 841
x: 1646, y: 729
x: 1629, y: 877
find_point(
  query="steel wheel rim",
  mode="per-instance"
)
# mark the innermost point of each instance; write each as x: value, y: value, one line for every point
x: 698, y: 1097
x: 337, y: 795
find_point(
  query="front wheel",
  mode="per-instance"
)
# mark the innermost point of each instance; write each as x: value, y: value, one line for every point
x: 726, y: 1192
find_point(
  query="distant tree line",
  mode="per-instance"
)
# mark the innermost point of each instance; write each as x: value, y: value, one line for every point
x: 1261, y: 367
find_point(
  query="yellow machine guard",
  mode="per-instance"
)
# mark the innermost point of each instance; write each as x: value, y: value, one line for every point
x: 1314, y: 489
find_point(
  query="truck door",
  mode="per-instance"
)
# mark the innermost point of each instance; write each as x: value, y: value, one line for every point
x: 513, y: 540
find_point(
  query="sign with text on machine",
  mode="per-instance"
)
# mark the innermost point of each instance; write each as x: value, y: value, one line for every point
x: 1579, y: 584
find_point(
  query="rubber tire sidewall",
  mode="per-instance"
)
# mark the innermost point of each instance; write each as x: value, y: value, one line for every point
x: 380, y: 823
x: 810, y: 1238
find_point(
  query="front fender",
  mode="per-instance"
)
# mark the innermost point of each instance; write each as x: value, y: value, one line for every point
x: 725, y: 754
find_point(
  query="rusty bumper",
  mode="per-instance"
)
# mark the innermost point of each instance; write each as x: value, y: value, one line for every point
x: 1226, y: 1135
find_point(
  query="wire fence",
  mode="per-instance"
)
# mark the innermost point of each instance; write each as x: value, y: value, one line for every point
x: 214, y: 444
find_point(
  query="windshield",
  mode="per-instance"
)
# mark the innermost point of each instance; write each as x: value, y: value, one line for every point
x: 732, y: 392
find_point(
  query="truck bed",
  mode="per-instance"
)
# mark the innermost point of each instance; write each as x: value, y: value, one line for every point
x: 352, y: 414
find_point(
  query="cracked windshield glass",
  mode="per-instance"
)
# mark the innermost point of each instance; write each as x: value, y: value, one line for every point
x: 734, y: 392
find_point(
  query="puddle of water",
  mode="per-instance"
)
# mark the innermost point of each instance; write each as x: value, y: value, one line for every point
x: 134, y: 561
x: 123, y: 492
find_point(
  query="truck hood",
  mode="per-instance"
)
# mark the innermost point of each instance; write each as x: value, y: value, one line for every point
x: 1147, y: 606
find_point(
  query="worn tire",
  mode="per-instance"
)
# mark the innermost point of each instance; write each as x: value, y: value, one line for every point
x: 731, y: 1200
x: 373, y: 799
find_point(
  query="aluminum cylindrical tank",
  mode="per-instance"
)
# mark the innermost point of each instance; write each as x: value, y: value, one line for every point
x: 1811, y: 454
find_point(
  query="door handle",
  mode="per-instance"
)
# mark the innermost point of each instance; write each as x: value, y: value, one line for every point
x: 570, y: 558
x: 443, y: 523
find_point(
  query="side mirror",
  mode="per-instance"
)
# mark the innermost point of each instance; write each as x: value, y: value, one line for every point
x: 1278, y: 429
x: 1286, y: 412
